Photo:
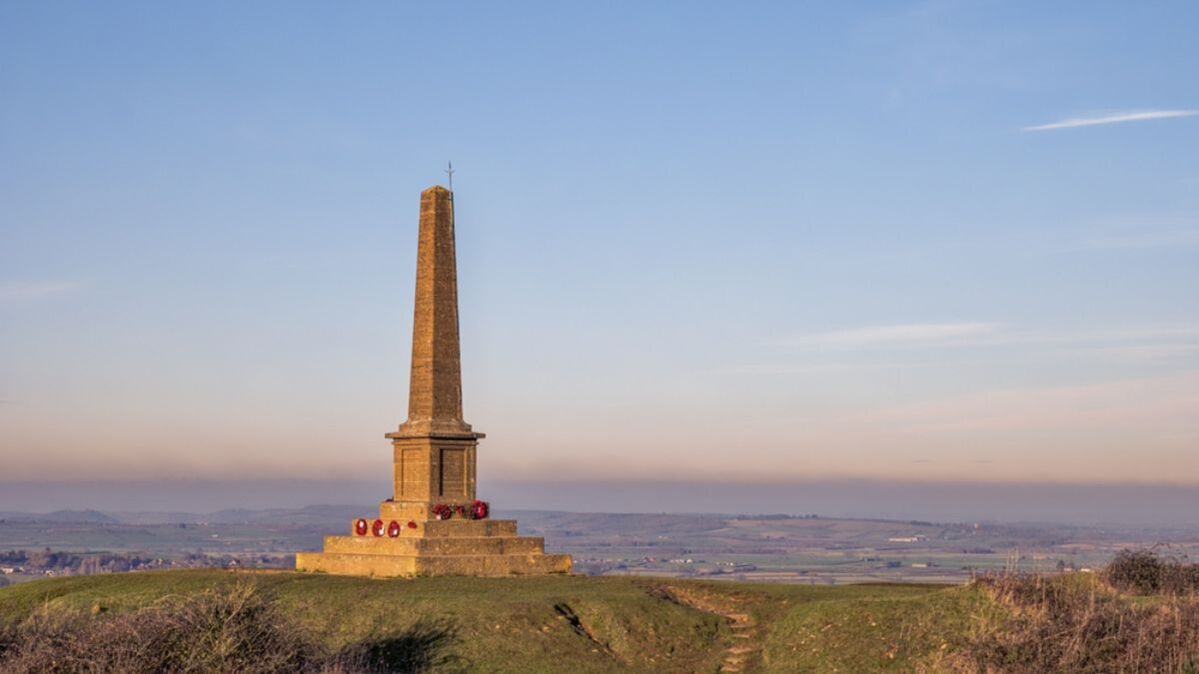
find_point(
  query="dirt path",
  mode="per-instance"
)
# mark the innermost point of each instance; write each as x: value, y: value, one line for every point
x: 746, y: 647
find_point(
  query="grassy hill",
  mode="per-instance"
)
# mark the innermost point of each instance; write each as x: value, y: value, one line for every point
x: 572, y: 623
x: 1140, y: 615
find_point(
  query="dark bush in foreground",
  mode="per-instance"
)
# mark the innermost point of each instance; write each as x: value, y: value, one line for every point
x: 422, y: 648
x: 231, y: 629
x: 1147, y: 572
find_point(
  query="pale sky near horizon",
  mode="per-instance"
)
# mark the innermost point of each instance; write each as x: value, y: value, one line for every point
x: 915, y: 241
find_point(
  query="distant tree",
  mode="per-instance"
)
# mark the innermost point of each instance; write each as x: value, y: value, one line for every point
x: 89, y: 566
x: 41, y: 559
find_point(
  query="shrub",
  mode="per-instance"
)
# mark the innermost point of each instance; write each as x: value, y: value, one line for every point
x: 1147, y: 572
x: 232, y: 629
x: 1138, y: 571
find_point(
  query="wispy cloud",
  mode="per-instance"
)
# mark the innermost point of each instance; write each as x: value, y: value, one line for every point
x: 979, y: 334
x: 909, y: 334
x: 1115, y: 118
x: 23, y: 291
x: 1149, y: 344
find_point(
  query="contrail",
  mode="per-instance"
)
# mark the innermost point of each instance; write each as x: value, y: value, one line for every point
x: 1112, y: 119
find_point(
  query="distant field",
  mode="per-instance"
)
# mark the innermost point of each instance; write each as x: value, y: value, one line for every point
x: 777, y: 549
x: 580, y: 624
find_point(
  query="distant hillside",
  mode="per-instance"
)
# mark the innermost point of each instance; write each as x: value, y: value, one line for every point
x: 61, y: 516
x: 309, y: 515
x: 314, y: 514
x: 750, y: 548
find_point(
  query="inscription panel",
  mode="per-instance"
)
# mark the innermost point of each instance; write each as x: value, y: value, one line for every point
x: 453, y: 473
x: 412, y: 474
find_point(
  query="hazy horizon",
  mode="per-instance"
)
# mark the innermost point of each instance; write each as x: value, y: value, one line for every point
x: 912, y: 243
x: 1113, y: 504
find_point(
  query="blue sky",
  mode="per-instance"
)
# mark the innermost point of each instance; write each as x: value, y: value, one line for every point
x: 696, y: 240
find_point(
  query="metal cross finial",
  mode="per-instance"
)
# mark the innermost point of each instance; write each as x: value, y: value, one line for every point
x: 450, y: 172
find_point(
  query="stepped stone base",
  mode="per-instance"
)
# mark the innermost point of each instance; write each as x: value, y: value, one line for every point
x: 348, y: 564
x: 437, y: 548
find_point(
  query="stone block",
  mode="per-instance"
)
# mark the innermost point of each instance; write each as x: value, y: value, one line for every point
x: 351, y: 564
x: 488, y: 545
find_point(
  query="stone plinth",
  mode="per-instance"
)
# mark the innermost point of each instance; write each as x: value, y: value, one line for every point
x: 436, y: 547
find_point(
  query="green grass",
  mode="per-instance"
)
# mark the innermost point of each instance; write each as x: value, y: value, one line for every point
x: 575, y: 623
x: 868, y: 628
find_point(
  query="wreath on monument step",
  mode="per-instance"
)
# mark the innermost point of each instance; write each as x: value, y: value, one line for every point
x: 477, y: 510
x: 363, y: 527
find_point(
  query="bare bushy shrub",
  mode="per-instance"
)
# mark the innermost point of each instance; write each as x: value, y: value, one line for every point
x: 233, y: 629
x: 1151, y: 572
x: 1137, y: 571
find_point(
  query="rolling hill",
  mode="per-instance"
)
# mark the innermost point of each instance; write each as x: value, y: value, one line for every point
x: 574, y: 623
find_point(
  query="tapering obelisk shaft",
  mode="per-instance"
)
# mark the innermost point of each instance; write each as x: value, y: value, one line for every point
x: 435, y: 389
x: 435, y: 449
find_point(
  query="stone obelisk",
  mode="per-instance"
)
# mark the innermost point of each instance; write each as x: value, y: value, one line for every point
x: 435, y: 448
x: 433, y: 524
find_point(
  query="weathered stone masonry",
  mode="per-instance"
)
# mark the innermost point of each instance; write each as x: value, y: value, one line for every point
x: 435, y: 450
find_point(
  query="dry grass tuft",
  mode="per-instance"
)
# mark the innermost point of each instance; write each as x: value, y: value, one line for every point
x: 1079, y: 623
